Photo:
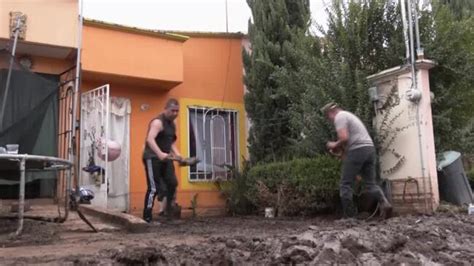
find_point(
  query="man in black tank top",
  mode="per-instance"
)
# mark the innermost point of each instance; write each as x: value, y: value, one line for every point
x: 159, y: 146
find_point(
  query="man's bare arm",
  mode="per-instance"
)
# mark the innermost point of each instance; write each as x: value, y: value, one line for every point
x: 155, y: 128
x: 175, y: 151
x: 342, y: 138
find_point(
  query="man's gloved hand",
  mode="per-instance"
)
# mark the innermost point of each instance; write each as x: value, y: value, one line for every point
x: 189, y: 161
x: 184, y: 161
x: 174, y: 157
x: 177, y: 158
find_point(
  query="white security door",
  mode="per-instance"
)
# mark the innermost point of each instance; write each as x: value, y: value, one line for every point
x: 94, y: 130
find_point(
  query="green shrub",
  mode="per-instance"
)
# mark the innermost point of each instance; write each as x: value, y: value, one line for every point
x: 297, y: 187
x: 470, y: 177
x: 235, y: 191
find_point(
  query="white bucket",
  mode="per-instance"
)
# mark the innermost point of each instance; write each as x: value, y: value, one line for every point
x: 269, y: 212
x: 470, y: 209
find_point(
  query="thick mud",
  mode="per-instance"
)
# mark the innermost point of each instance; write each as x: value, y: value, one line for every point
x: 444, y: 238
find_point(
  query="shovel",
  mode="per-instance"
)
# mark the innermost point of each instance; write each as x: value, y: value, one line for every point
x: 185, y: 161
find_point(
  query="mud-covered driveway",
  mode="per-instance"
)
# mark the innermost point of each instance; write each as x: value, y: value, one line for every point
x: 445, y: 238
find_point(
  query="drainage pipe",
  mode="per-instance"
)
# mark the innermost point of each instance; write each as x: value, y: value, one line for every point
x: 73, y: 140
x: 417, y: 29
x: 405, y: 29
x: 415, y: 88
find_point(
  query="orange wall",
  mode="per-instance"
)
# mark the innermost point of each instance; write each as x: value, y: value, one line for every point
x: 132, y: 55
x: 212, y: 72
x: 49, y: 21
x: 51, y: 65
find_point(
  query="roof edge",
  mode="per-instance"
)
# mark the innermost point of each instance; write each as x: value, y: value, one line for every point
x: 233, y: 35
x: 167, y: 34
x: 161, y: 34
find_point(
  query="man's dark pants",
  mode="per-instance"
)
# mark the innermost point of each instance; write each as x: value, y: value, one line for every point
x: 161, y: 182
x: 360, y: 161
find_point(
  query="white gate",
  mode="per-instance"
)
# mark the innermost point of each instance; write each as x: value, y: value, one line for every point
x: 94, y: 130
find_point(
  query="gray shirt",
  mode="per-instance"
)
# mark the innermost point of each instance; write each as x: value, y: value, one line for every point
x: 358, y: 134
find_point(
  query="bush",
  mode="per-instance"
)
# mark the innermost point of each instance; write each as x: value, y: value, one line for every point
x: 470, y: 177
x: 297, y: 187
x: 235, y: 191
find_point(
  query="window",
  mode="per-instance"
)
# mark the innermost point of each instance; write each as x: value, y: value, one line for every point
x: 213, y: 139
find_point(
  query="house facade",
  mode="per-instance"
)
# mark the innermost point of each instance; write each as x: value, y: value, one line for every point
x: 133, y: 72
x: 203, y: 71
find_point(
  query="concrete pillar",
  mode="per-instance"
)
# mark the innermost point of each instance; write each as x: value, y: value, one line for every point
x: 404, y: 130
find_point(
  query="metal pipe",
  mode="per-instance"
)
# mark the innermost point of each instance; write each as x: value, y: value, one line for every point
x: 72, y: 143
x: 106, y: 133
x: 405, y: 33
x: 69, y: 173
x: 60, y: 164
x: 412, y: 52
x: 38, y: 158
x: 21, y: 204
x: 417, y: 30
x: 226, y: 18
x: 419, y: 52
x: 12, y: 59
x: 415, y: 87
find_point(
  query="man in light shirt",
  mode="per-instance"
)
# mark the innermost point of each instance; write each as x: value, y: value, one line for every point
x: 358, y: 157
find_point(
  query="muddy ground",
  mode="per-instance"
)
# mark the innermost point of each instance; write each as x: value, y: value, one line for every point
x: 445, y: 238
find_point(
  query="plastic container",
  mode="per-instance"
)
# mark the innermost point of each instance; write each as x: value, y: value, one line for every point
x: 470, y: 209
x: 269, y: 213
x: 12, y: 148
x: 454, y: 186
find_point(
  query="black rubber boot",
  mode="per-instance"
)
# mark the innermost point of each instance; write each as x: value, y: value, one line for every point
x: 385, y: 208
x: 349, y: 210
x: 147, y: 215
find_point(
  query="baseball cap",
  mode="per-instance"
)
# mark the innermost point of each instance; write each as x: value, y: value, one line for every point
x: 327, y: 107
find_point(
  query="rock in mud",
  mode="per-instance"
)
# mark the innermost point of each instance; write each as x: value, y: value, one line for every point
x: 139, y: 256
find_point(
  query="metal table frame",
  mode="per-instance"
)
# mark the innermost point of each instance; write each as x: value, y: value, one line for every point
x: 58, y: 164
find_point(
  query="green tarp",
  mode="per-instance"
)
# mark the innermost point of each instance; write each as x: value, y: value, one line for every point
x: 30, y: 120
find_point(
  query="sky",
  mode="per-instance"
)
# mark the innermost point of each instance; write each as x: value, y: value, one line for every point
x: 181, y: 15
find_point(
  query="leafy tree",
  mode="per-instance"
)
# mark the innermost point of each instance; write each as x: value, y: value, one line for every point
x: 461, y: 9
x: 362, y: 38
x: 448, y: 39
x: 277, y: 28
x: 291, y: 74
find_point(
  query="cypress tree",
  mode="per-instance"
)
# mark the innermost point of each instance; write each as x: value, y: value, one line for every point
x: 274, y: 33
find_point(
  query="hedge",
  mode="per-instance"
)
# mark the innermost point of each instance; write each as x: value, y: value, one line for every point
x: 296, y: 187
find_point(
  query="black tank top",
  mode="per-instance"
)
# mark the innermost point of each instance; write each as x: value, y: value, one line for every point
x: 164, y: 139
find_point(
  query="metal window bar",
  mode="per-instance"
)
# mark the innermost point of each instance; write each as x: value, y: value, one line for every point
x: 230, y: 139
x: 218, y: 144
x: 235, y: 151
x: 231, y: 158
x: 204, y: 148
